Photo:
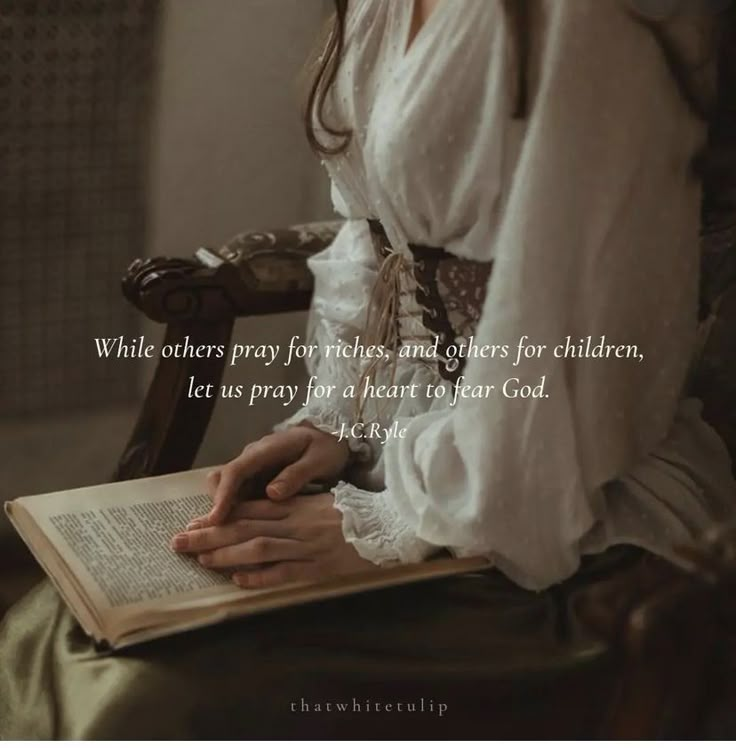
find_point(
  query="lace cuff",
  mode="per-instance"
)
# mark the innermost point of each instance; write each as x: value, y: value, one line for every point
x: 372, y: 525
x: 331, y: 421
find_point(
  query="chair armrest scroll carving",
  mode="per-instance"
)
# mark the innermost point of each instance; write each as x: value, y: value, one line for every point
x: 254, y: 273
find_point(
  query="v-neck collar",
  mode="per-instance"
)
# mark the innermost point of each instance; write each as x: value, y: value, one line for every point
x: 409, y: 8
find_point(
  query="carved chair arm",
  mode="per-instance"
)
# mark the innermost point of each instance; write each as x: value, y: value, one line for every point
x: 199, y: 299
x: 254, y: 273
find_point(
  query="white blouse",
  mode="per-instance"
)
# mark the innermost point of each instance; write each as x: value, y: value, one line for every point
x: 590, y: 215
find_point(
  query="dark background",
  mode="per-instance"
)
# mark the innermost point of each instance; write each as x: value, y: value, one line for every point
x: 131, y: 128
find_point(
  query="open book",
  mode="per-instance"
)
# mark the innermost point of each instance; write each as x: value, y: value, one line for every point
x: 106, y: 549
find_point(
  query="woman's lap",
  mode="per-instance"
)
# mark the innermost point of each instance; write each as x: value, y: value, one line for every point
x: 273, y: 675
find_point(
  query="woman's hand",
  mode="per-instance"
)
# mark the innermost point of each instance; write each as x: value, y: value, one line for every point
x: 302, y: 454
x: 297, y: 539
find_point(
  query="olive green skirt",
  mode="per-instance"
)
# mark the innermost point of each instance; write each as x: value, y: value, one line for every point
x: 470, y: 656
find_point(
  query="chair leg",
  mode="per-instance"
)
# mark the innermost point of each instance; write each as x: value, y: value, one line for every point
x: 171, y: 425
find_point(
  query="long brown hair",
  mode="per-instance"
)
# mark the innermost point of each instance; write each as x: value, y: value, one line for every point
x: 326, y: 63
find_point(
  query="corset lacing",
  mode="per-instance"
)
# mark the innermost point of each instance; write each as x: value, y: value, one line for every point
x: 432, y: 296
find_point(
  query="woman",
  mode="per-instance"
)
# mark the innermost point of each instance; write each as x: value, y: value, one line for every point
x: 527, y: 169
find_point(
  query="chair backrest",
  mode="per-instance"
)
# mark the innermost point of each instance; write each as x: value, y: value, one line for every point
x: 714, y: 374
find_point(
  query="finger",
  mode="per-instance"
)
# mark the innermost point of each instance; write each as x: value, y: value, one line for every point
x: 219, y: 536
x: 260, y: 509
x: 232, y: 476
x: 203, y: 539
x: 295, y: 476
x: 260, y: 550
x: 265, y: 453
x: 281, y: 573
x: 212, y: 480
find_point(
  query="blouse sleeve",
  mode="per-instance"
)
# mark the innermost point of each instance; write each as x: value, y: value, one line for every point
x: 344, y: 275
x: 599, y: 237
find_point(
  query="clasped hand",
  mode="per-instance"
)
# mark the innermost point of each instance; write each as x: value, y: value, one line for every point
x: 274, y: 535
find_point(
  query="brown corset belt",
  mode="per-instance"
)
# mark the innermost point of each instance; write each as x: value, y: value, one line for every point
x: 448, y: 289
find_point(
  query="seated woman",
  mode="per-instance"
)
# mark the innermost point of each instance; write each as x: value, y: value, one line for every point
x: 517, y: 178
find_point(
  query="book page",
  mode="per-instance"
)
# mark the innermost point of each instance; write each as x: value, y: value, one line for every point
x: 115, y: 540
x: 125, y: 548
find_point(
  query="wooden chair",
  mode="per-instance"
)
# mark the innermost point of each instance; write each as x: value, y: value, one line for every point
x: 663, y: 632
